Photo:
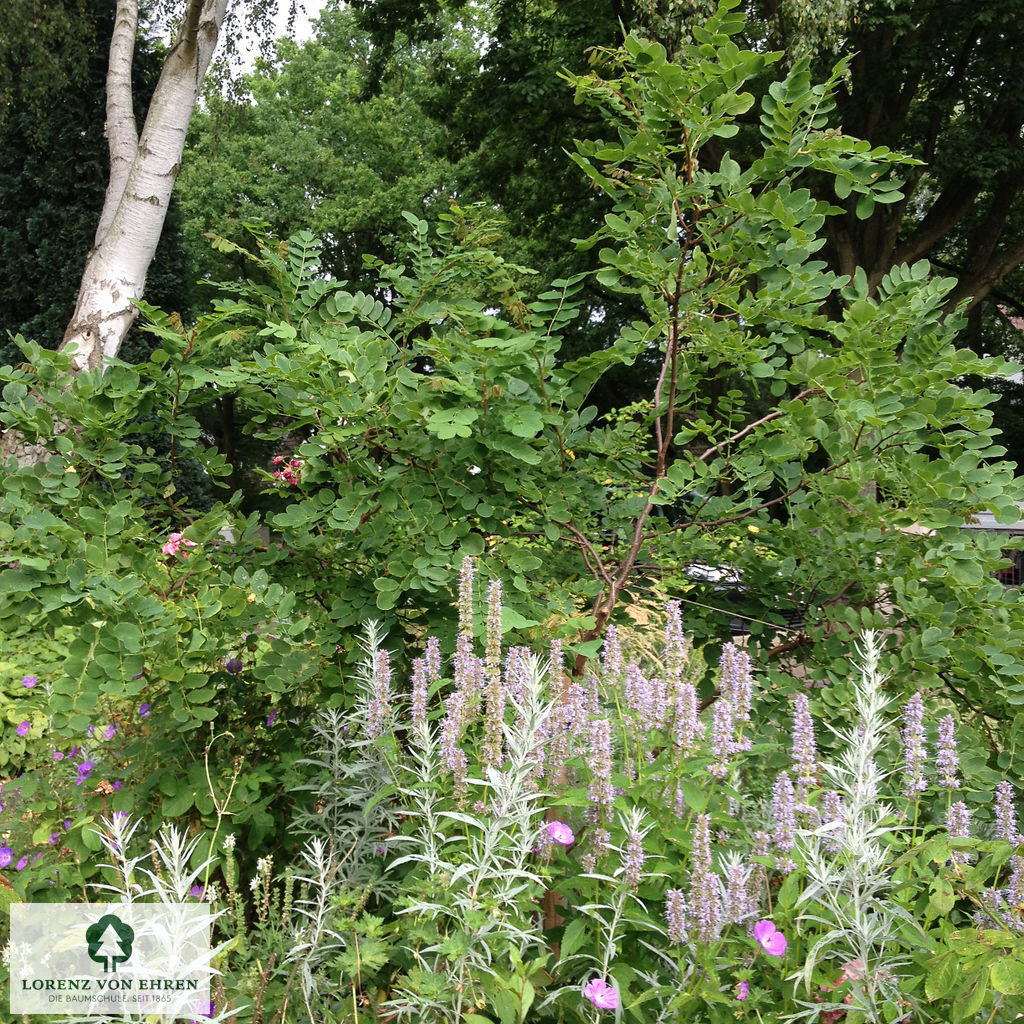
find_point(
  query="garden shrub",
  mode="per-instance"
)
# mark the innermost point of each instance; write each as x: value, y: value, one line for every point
x: 433, y: 420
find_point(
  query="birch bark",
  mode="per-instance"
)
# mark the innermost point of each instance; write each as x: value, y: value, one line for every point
x: 142, y: 175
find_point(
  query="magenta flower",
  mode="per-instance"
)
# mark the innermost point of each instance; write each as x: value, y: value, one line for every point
x: 25, y: 728
x: 742, y: 990
x: 601, y: 994
x: 174, y: 542
x: 771, y: 940
x: 561, y: 833
x: 197, y: 891
x: 29, y: 682
x: 6, y: 856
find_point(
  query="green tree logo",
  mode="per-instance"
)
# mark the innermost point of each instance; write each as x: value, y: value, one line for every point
x: 110, y: 941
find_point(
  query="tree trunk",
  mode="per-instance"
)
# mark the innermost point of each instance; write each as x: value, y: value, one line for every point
x: 142, y: 176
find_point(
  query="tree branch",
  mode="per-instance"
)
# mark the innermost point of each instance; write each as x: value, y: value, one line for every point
x: 120, y: 129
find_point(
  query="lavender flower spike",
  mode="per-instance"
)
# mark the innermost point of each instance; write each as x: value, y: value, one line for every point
x: 805, y: 750
x: 721, y: 737
x: 676, y: 916
x: 958, y: 825
x: 914, y: 751
x: 947, y: 761
x: 1006, y: 815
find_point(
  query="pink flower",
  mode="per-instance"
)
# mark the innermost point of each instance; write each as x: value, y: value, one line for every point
x: 601, y: 994
x: 29, y: 681
x: 742, y: 990
x: 25, y: 728
x: 772, y: 941
x: 561, y: 833
x: 174, y: 542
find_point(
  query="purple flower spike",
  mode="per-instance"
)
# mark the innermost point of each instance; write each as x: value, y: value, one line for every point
x: 561, y: 833
x: 771, y: 940
x: 601, y: 994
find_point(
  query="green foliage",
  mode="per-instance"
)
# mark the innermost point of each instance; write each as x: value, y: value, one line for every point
x: 830, y: 463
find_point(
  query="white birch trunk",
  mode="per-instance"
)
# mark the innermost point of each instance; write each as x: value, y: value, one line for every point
x: 142, y: 176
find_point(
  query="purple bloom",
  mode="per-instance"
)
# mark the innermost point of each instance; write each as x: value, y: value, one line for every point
x: 54, y: 838
x: 29, y: 681
x: 1006, y: 814
x: 739, y: 902
x: 84, y: 771
x: 233, y: 666
x: 561, y: 833
x: 117, y: 784
x: 805, y: 750
x: 784, y: 812
x: 721, y: 736
x: 22, y: 864
x: 466, y: 597
x: 90, y: 730
x: 705, y: 891
x: 420, y: 687
x: 6, y: 856
x: 676, y: 916
x: 832, y: 808
x: 110, y: 730
x: 144, y: 710
x: 494, y: 690
x: 67, y: 824
x: 914, y: 751
x: 612, y: 665
x: 958, y: 825
x: 742, y: 990
x: 633, y: 860
x: 197, y: 891
x: 736, y: 683
x: 381, y: 849
x: 379, y: 707
x: 688, y: 725
x: 601, y: 994
x: 601, y: 792
x: 677, y: 650
x: 25, y: 728
x: 946, y: 760
x: 772, y: 941
x: 271, y: 718
x: 58, y: 755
